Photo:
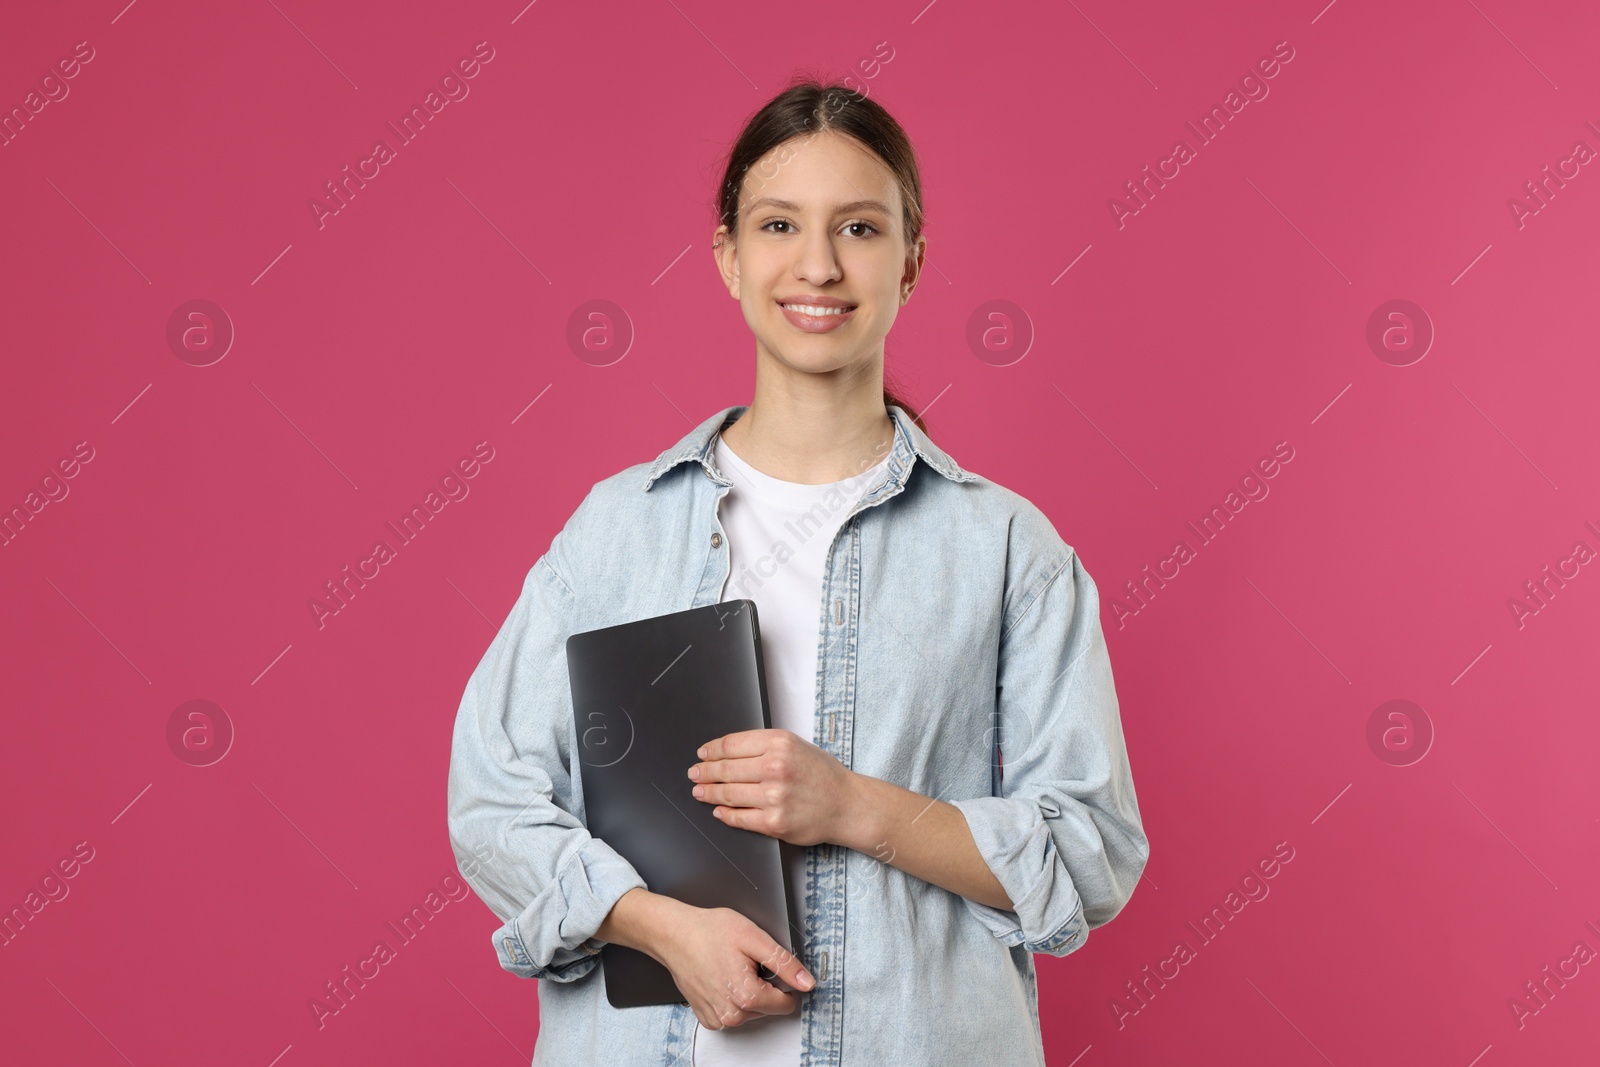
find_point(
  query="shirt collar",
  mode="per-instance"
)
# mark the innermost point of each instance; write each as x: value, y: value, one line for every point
x: 909, y: 443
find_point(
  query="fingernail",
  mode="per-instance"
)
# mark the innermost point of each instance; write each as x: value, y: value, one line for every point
x: 701, y: 752
x: 806, y: 981
x: 694, y: 772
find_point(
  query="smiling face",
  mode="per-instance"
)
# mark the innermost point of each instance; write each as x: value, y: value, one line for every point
x: 820, y: 264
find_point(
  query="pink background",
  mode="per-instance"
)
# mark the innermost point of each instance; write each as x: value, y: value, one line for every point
x: 430, y: 313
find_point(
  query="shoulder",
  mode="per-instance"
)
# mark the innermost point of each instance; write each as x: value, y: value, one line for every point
x: 1029, y: 533
x: 615, y: 516
x: 1026, y: 545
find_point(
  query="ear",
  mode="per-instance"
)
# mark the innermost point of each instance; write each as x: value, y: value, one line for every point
x: 726, y: 255
x: 916, y: 255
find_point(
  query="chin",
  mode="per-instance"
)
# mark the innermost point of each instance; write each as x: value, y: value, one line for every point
x: 831, y: 366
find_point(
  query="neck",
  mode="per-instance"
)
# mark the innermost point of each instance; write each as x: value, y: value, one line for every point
x: 814, y: 428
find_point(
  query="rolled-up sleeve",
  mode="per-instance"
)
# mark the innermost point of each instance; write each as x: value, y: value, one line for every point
x: 515, y: 839
x: 1063, y: 837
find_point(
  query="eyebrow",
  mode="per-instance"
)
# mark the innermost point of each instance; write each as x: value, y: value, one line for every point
x: 842, y: 209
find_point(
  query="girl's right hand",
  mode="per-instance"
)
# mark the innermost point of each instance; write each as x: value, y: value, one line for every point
x: 714, y: 953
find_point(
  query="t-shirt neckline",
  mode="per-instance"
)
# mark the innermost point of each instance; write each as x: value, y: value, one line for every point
x: 765, y: 485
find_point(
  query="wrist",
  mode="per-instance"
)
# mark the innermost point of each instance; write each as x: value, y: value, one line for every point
x: 641, y: 920
x: 860, y: 825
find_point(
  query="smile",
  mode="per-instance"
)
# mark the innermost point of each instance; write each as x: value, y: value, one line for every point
x: 813, y: 319
x: 806, y: 309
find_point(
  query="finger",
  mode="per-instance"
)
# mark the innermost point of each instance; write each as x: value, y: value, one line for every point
x: 739, y: 743
x: 757, y: 996
x: 727, y: 1017
x: 787, y: 966
x: 735, y: 1017
x: 733, y: 795
x: 756, y: 820
x: 742, y: 769
x: 777, y: 1002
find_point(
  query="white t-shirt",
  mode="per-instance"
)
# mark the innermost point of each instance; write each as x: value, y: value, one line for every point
x: 778, y: 534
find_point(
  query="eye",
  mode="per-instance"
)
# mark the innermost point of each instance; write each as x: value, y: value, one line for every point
x: 848, y: 226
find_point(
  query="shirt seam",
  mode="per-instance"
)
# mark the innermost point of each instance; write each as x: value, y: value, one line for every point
x: 1044, y: 587
x: 551, y: 567
x: 1058, y: 931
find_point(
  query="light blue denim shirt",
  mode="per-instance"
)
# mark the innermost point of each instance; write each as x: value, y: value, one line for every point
x: 961, y: 656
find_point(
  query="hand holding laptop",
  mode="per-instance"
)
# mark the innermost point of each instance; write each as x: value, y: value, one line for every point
x: 775, y: 783
x: 717, y: 957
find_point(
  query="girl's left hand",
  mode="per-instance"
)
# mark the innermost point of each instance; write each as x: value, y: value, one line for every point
x: 775, y: 783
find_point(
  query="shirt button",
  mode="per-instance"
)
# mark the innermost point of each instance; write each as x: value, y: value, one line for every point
x: 716, y: 540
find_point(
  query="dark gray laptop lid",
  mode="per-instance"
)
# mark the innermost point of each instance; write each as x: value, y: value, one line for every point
x: 645, y: 696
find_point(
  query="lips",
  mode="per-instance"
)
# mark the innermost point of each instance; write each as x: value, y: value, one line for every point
x: 817, y: 314
x: 815, y: 300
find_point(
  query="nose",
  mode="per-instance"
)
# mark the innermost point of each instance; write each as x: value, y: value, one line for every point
x: 818, y: 264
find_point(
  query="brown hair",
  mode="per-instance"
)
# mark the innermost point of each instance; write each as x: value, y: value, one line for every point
x: 812, y: 107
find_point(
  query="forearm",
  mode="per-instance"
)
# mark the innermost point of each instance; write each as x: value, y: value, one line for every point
x: 639, y: 919
x: 920, y: 835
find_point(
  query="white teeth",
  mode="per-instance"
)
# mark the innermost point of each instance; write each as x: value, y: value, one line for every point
x: 806, y: 309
